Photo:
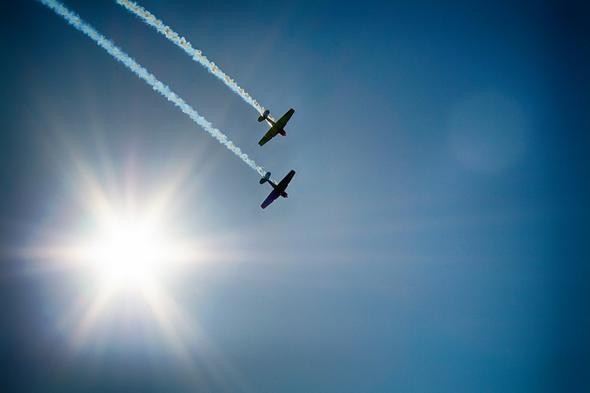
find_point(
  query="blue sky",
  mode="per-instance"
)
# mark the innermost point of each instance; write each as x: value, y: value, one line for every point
x: 435, y: 238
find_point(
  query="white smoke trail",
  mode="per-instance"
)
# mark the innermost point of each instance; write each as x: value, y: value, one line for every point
x: 195, y: 54
x: 141, y: 72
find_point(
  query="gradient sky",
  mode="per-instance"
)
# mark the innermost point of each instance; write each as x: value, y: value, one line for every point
x: 436, y: 234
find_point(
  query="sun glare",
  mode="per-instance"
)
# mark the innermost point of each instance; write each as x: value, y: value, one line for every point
x: 124, y: 242
x: 129, y: 254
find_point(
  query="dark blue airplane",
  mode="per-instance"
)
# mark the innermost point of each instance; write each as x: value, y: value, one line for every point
x: 278, y: 189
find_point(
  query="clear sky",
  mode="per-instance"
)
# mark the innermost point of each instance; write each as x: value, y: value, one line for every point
x: 435, y: 238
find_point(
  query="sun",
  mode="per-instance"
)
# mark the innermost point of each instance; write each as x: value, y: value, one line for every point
x: 123, y: 242
x: 128, y: 250
x: 128, y: 253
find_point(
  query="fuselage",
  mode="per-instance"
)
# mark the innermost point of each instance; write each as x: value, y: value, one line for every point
x: 281, y: 190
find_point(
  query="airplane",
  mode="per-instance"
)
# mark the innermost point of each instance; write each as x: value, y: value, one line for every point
x: 277, y: 127
x: 277, y: 189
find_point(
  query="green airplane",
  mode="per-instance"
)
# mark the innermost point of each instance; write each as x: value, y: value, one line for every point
x: 277, y: 127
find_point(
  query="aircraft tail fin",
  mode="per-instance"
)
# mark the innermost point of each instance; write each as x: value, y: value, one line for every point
x: 265, y: 178
x: 264, y: 116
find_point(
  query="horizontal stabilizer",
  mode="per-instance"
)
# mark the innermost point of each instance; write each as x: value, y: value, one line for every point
x: 264, y: 116
x: 265, y: 178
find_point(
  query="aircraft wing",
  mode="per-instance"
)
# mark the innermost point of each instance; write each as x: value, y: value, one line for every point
x: 274, y: 130
x: 286, y: 180
x: 282, y: 122
x: 270, y: 198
